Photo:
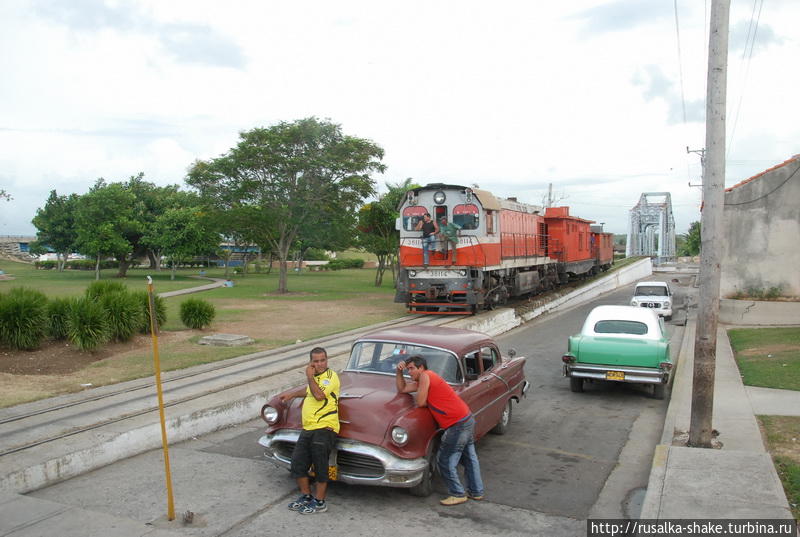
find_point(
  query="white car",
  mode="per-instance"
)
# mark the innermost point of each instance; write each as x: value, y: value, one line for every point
x: 655, y: 295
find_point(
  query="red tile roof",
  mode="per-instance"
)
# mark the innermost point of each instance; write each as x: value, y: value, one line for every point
x: 784, y: 163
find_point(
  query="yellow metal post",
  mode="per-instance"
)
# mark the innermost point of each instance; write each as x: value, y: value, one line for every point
x: 157, y: 367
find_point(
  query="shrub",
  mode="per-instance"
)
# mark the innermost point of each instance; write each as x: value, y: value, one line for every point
x: 23, y: 318
x: 197, y: 313
x: 125, y: 315
x: 87, y: 326
x: 45, y: 265
x: 57, y: 313
x: 100, y: 288
x: 144, y: 303
x: 315, y: 254
x: 338, y: 264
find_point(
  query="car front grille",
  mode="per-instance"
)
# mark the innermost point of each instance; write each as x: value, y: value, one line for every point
x: 349, y: 463
x: 651, y: 305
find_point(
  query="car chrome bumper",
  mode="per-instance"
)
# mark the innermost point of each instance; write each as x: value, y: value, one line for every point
x: 395, y: 472
x: 644, y: 375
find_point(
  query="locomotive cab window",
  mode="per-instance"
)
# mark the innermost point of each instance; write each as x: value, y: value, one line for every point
x: 412, y: 216
x: 465, y: 216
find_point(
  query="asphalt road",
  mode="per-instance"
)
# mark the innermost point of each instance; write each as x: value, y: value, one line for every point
x: 567, y: 457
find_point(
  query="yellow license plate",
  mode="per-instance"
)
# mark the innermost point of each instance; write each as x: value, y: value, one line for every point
x: 615, y: 375
x: 333, y: 472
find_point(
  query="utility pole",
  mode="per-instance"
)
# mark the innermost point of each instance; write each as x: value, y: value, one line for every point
x: 705, y: 341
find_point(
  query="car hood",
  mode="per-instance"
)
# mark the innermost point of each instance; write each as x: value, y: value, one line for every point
x: 369, y: 406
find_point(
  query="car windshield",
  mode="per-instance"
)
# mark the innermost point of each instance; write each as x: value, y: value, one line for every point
x: 620, y: 327
x: 651, y: 290
x: 383, y: 357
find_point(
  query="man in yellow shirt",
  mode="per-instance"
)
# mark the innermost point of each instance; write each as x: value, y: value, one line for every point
x: 318, y: 437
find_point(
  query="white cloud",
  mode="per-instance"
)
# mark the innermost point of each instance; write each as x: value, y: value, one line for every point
x: 586, y: 95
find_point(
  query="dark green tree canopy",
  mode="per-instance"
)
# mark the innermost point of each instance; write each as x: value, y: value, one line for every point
x: 288, y: 178
x: 55, y: 225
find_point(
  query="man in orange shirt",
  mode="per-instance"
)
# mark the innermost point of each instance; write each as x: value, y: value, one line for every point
x: 454, y: 416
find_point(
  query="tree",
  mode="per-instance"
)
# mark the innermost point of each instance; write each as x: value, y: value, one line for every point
x: 4, y: 195
x: 376, y: 228
x: 55, y: 225
x: 289, y: 174
x: 104, y: 219
x: 180, y: 234
x: 691, y: 241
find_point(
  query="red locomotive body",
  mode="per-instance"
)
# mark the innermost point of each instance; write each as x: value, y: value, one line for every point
x: 504, y: 248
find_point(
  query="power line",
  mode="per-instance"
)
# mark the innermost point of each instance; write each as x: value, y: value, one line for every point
x: 680, y: 61
x: 750, y: 40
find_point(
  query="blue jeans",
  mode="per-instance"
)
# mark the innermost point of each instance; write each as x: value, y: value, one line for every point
x: 458, y: 446
x: 427, y: 243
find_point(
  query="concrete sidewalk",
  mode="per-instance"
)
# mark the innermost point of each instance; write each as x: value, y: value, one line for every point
x: 736, y: 481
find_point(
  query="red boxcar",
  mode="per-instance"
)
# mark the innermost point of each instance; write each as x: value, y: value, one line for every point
x: 571, y: 239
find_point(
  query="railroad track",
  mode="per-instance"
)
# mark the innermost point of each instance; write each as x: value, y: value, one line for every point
x: 45, y: 424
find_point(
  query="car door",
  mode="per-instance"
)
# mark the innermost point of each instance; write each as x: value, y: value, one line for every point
x: 485, y: 392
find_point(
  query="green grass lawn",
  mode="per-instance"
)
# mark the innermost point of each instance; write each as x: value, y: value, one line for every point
x: 74, y: 282
x: 782, y: 434
x: 768, y: 357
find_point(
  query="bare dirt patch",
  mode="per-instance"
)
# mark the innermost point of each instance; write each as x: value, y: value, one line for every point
x: 60, y: 357
x: 768, y: 349
x: 782, y: 435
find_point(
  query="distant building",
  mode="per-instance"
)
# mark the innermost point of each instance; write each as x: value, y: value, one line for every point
x: 761, y: 219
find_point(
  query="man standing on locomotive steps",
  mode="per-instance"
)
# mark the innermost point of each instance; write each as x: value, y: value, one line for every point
x: 429, y: 230
x: 318, y: 437
x: 454, y: 416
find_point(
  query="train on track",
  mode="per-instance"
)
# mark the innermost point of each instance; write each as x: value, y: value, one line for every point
x: 499, y: 249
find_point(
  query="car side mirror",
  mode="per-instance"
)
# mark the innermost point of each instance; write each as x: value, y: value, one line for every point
x: 512, y: 353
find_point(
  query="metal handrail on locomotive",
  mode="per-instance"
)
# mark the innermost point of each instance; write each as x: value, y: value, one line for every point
x: 502, y: 248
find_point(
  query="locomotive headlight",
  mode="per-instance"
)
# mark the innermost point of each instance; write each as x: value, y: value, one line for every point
x: 412, y: 273
x: 439, y: 197
x: 399, y: 436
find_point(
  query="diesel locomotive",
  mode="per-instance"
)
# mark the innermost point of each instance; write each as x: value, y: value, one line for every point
x: 503, y: 248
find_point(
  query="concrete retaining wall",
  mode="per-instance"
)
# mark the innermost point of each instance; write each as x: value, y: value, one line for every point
x: 503, y: 320
x: 757, y: 312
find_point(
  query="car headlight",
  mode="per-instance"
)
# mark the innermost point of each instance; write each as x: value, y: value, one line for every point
x: 270, y: 415
x: 666, y: 304
x: 463, y: 272
x: 634, y: 303
x: 412, y: 273
x: 399, y: 436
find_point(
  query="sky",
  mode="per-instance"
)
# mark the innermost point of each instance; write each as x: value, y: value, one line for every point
x: 599, y: 99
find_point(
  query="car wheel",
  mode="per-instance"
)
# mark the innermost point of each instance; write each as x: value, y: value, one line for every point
x: 425, y: 487
x: 659, y: 390
x: 576, y: 384
x: 505, y: 419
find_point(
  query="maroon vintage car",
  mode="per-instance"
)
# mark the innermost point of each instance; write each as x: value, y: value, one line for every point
x: 385, y: 439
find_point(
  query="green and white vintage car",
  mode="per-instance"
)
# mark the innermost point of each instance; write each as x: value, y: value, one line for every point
x: 620, y: 344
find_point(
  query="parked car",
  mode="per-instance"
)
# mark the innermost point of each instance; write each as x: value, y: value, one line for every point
x: 620, y: 344
x: 385, y: 439
x: 655, y: 295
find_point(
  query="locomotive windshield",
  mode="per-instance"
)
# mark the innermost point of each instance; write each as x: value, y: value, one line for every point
x: 466, y: 216
x: 412, y: 216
